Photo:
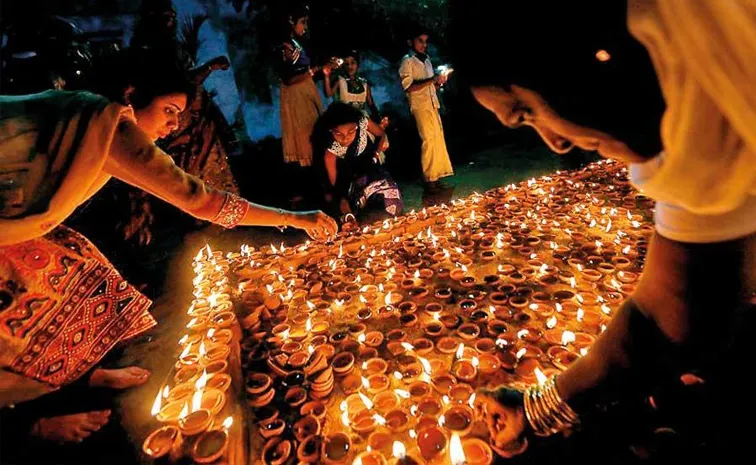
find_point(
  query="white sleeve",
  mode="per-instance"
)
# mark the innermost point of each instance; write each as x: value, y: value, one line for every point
x: 704, y: 54
x: 405, y: 73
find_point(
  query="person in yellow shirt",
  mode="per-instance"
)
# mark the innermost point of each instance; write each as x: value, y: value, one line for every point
x: 420, y: 81
x: 62, y: 305
x: 685, y: 123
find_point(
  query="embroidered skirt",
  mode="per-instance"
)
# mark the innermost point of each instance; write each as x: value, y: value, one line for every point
x: 63, y: 307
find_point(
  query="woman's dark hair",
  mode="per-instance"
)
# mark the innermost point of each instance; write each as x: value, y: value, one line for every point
x: 296, y: 11
x: 336, y: 114
x: 148, y: 72
x: 551, y: 48
x: 354, y: 54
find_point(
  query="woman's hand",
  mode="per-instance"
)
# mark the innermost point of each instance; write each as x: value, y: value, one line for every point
x: 317, y: 224
x: 504, y: 415
x: 327, y: 70
x: 384, y: 123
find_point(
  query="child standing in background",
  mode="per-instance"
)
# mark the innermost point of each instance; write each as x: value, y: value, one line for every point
x: 419, y: 83
x: 351, y: 88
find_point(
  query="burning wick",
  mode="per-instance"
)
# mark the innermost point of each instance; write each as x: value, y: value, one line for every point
x: 542, y: 379
x: 227, y: 423
x: 456, y: 453
x: 156, y: 405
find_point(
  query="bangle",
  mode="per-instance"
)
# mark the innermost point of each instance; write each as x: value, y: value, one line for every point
x: 232, y: 211
x: 284, y: 215
x: 545, y: 410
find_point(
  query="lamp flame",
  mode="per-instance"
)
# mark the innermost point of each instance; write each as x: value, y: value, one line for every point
x: 456, y: 453
x: 568, y: 337
x: 399, y: 451
x: 426, y: 364
x: 157, y: 404
x: 460, y: 350
x: 366, y: 400
x: 228, y: 422
x: 542, y: 379
x: 402, y: 393
x: 184, y: 411
x: 551, y: 322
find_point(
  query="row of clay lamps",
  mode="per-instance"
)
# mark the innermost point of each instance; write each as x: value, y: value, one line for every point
x: 190, y: 407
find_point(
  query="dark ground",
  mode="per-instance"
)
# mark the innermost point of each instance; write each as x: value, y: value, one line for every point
x: 627, y: 435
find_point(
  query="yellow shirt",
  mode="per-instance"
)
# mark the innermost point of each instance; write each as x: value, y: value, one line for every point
x: 704, y: 53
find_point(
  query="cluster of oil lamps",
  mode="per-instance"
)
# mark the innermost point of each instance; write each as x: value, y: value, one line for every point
x: 369, y: 349
x: 192, y: 407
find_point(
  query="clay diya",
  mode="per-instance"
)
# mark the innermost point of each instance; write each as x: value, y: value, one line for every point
x: 397, y: 420
x: 370, y: 458
x: 343, y: 363
x: 468, y: 331
x: 477, y: 452
x: 380, y: 441
x: 257, y: 383
x: 442, y: 383
x: 429, y: 406
x: 210, y: 446
x: 171, y: 411
x: 276, y: 451
x: 266, y: 415
x: 351, y: 384
x: 385, y: 401
x: 213, y: 400
x: 460, y: 393
x: 262, y: 399
x: 309, y: 450
x: 459, y: 419
x: 160, y: 442
x: 447, y: 345
x: 433, y: 329
x: 485, y: 345
x: 182, y: 391
x: 422, y: 346
x: 295, y: 396
x: 377, y: 383
x: 272, y: 428
x: 306, y: 426
x: 195, y: 422
x: 432, y: 442
x: 314, y: 408
x: 374, y: 366
x: 363, y: 422
x: 488, y: 363
x: 419, y: 389
x: 465, y: 370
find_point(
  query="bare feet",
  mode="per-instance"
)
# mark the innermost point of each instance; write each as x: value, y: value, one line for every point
x: 70, y: 428
x: 121, y: 378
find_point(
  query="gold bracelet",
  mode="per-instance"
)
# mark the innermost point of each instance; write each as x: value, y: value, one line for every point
x: 285, y: 216
x: 546, y: 411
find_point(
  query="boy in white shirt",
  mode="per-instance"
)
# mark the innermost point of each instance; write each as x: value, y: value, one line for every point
x: 420, y: 83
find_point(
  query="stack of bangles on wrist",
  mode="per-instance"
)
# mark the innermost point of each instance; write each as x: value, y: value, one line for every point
x: 545, y: 410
